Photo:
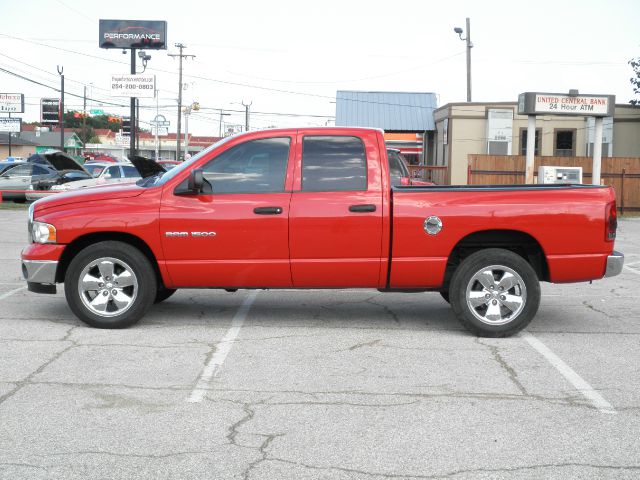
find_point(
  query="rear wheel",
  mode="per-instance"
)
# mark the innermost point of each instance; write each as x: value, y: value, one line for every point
x: 110, y: 285
x: 494, y: 293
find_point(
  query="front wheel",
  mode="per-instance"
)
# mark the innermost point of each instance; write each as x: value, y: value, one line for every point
x: 494, y: 293
x: 110, y: 285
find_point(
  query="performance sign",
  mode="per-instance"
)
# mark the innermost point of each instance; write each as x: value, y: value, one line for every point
x: 534, y: 103
x: 141, y: 86
x: 128, y: 34
x: 11, y: 102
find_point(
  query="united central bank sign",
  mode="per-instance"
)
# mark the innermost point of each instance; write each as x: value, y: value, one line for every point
x: 535, y: 103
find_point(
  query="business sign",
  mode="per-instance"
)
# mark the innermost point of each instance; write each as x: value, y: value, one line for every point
x: 49, y: 111
x: 122, y: 139
x: 96, y: 111
x: 161, y: 131
x: 128, y: 34
x: 10, y: 124
x: 141, y: 86
x: 499, y: 131
x: 535, y: 103
x: 11, y: 102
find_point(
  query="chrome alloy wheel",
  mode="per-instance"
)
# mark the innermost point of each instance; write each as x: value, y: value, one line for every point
x: 108, y: 287
x: 496, y: 295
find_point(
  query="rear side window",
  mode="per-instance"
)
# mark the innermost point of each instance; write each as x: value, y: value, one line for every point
x: 333, y: 163
x: 19, y: 171
x: 252, y: 167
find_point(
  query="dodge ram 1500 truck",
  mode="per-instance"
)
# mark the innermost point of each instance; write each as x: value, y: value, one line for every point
x: 315, y: 208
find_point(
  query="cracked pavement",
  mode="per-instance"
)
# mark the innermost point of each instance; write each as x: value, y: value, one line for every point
x: 318, y: 384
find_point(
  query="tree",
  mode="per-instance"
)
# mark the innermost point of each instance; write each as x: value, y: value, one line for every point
x: 635, y: 80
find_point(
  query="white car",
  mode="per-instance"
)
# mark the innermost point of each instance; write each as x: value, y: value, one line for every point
x: 103, y: 173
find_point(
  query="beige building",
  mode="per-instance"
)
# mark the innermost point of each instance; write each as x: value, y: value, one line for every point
x: 497, y: 129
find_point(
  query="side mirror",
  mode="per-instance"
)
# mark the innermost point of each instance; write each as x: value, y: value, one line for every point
x: 196, y: 181
x: 405, y: 180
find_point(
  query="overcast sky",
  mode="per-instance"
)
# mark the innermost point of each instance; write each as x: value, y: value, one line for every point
x: 290, y: 57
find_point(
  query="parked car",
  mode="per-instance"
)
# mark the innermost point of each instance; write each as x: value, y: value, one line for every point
x: 168, y: 164
x: 109, y: 173
x: 313, y: 208
x: 18, y: 179
x: 61, y: 169
x: 399, y: 172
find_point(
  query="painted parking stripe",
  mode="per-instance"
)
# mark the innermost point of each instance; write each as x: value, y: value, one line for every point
x: 8, y: 294
x: 572, y: 377
x: 223, y: 348
x: 626, y: 267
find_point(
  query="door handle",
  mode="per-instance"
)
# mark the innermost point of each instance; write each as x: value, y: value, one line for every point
x: 362, y: 208
x: 267, y: 210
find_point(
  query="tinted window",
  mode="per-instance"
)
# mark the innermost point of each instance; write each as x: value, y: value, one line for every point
x: 251, y: 167
x: 332, y: 163
x: 130, y: 172
x: 38, y: 170
x: 113, y: 171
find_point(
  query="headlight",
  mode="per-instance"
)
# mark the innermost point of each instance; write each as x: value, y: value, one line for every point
x: 43, y: 233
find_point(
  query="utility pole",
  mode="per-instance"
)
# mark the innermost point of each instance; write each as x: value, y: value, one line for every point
x: 246, y: 115
x: 180, y: 57
x: 469, y: 45
x: 60, y: 72
x: 84, y: 117
x: 459, y: 31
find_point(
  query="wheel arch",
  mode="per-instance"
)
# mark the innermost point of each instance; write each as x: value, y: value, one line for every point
x: 84, y: 241
x: 521, y: 243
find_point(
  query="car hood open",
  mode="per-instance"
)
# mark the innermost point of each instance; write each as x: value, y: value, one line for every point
x: 58, y: 160
x: 145, y: 166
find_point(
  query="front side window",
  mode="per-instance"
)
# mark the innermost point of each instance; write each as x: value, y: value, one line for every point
x: 113, y: 172
x: 333, y: 163
x: 256, y: 166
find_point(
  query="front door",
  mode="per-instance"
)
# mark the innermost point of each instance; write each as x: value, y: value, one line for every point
x: 236, y: 236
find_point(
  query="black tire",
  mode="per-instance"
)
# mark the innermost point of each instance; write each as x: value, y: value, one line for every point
x: 445, y: 296
x: 494, y: 310
x: 123, y: 304
x: 163, y: 293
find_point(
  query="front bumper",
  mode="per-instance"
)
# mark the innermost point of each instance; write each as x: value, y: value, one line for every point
x: 615, y: 262
x: 40, y: 275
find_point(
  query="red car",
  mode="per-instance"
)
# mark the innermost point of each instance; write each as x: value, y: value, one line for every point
x: 315, y: 208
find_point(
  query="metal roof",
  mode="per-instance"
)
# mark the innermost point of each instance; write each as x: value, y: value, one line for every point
x: 391, y: 111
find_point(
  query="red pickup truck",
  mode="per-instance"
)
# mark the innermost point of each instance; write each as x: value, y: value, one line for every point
x: 315, y: 208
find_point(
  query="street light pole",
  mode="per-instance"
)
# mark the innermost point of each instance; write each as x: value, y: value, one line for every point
x: 467, y: 39
x: 61, y: 73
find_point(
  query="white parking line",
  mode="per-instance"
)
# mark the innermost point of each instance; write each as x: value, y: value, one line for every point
x: 567, y: 372
x: 8, y: 294
x: 223, y: 348
x: 626, y: 267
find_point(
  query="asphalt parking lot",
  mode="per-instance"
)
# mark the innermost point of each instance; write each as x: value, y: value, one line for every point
x: 322, y: 384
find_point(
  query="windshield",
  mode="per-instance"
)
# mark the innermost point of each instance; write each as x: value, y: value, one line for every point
x: 163, y: 178
x: 95, y: 170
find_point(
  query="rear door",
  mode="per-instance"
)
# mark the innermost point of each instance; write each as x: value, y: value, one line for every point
x: 336, y: 217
